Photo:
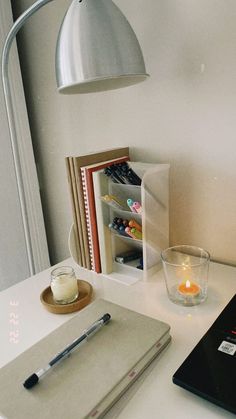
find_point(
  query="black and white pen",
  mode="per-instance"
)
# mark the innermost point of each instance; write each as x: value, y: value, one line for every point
x: 34, y: 378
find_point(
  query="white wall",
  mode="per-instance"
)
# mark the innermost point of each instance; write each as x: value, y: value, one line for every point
x: 14, y: 262
x: 184, y: 114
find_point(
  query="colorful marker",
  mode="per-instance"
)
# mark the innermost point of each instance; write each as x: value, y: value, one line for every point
x: 112, y: 200
x: 130, y: 205
x: 118, y: 229
x: 136, y: 233
x: 133, y: 223
x: 128, y: 231
x: 137, y: 207
x: 126, y: 223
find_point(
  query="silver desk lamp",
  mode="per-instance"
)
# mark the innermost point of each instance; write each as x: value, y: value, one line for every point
x: 96, y: 50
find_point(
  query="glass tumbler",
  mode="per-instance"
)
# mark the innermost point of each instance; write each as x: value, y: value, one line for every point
x: 186, y: 274
x: 64, y: 285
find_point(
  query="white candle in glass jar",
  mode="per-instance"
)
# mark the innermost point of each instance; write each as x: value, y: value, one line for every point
x: 64, y: 285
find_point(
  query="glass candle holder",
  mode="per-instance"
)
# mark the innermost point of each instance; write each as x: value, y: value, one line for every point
x: 64, y: 285
x: 186, y: 274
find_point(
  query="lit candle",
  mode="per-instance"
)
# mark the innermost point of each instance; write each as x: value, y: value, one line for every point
x: 189, y: 288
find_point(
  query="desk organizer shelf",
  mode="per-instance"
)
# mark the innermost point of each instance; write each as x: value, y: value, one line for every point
x: 154, y: 197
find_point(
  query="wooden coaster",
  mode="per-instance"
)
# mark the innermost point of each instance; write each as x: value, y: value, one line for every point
x: 84, y: 298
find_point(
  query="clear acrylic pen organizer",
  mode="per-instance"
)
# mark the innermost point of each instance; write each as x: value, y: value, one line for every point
x: 153, y: 194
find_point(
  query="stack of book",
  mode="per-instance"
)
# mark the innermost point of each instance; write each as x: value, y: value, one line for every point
x: 80, y: 177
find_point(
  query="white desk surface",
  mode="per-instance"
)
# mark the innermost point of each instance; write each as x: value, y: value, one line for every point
x: 24, y: 321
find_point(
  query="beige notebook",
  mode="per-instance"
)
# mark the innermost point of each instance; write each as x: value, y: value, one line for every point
x: 79, y: 213
x: 93, y: 377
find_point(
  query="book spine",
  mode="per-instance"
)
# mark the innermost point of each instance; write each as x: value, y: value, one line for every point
x: 80, y: 161
x: 100, y: 186
x: 80, y: 196
x: 87, y: 219
x: 71, y: 182
x: 87, y: 174
x: 92, y: 219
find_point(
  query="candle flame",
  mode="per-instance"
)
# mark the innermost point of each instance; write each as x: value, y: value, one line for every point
x: 188, y: 284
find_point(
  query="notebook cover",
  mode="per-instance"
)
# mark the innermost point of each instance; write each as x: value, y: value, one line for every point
x: 75, y: 211
x: 74, y: 387
x: 90, y: 206
x: 210, y: 369
x: 85, y: 160
x: 100, y: 185
x: 111, y: 398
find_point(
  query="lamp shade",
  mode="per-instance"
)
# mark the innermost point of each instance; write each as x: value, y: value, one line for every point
x: 97, y: 49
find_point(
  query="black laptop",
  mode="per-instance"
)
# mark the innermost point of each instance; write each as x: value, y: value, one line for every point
x: 210, y: 369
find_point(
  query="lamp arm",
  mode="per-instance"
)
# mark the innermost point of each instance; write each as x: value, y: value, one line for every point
x: 12, y: 126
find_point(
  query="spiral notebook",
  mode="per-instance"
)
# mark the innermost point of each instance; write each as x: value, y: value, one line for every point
x: 73, y: 165
x: 93, y: 378
x: 90, y: 208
